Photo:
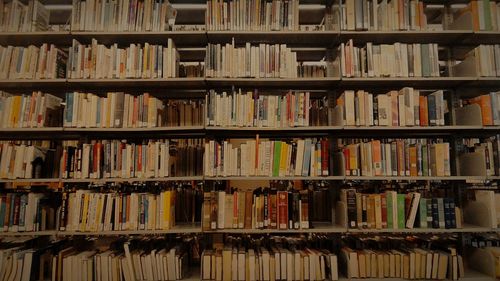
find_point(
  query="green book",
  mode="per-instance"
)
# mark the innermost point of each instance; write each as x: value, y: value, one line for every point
x: 422, y: 212
x: 388, y: 198
x: 487, y: 15
x: 401, y: 211
x: 426, y: 67
x: 276, y: 160
x: 425, y: 164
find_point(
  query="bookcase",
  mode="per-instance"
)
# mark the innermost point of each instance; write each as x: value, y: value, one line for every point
x: 242, y: 106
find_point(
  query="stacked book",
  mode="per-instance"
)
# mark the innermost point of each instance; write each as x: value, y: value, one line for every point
x: 386, y: 60
x: 396, y: 157
x: 29, y: 160
x: 482, y: 61
x: 148, y: 15
x: 261, y: 61
x: 490, y: 107
x: 392, y: 210
x: 406, y: 107
x: 274, y: 158
x: 96, y: 61
x: 121, y: 159
x: 265, y: 208
x: 399, y: 257
x: 16, y: 16
x: 252, y: 15
x: 45, y: 62
x: 20, y: 212
x: 478, y: 15
x: 384, y: 15
x: 290, y: 259
x: 36, y: 111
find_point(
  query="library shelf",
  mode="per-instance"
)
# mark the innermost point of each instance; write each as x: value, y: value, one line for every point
x: 419, y: 82
x: 470, y: 275
x: 30, y: 233
x: 295, y: 83
x: 144, y: 129
x: 31, y: 181
x: 414, y: 178
x: 484, y: 37
x: 317, y: 38
x: 486, y: 82
x: 36, y: 38
x: 271, y: 129
x: 119, y: 180
x: 178, y: 229
x: 180, y: 38
x: 465, y: 229
x: 33, y: 83
x: 442, y: 37
x: 171, y: 83
x: 317, y: 228
x: 262, y: 178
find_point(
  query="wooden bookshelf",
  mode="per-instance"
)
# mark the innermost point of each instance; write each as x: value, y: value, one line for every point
x: 444, y: 37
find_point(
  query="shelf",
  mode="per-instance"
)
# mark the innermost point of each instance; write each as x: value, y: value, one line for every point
x: 195, y: 228
x: 465, y: 229
x: 37, y: 38
x: 124, y: 130
x: 445, y: 37
x: 291, y: 38
x: 470, y: 275
x: 30, y: 233
x: 485, y: 82
x: 32, y: 83
x: 318, y: 228
x: 269, y: 129
x: 484, y: 37
x: 409, y: 178
x: 180, y: 38
x: 32, y: 181
x: 261, y: 178
x: 171, y: 83
x: 118, y: 180
x: 296, y: 83
x: 419, y: 82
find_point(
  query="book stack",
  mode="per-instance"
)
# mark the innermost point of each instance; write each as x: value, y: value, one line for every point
x: 17, y: 16
x: 265, y: 208
x: 96, y: 61
x: 392, y: 210
x: 274, y: 158
x: 121, y: 159
x: 399, y: 257
x: 36, y: 111
x: 20, y: 261
x: 486, y: 151
x: 255, y: 109
x: 146, y: 15
x: 192, y: 69
x: 89, y: 211
x: 284, y: 259
x: 397, y: 157
x: 386, y: 60
x: 490, y: 107
x: 406, y: 107
x: 386, y: 15
x: 252, y: 15
x: 45, y: 62
x: 20, y: 212
x: 483, y: 60
x: 262, y: 61
x: 28, y: 160
x: 478, y: 15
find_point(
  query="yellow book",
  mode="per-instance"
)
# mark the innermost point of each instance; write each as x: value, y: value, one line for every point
x: 16, y: 108
x: 85, y: 211
x: 166, y: 209
x: 98, y: 214
x: 283, y: 158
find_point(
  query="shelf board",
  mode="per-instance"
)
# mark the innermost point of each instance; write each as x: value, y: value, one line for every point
x: 465, y: 229
x: 296, y: 83
x: 259, y: 178
x: 176, y: 229
x: 293, y: 129
x: 445, y: 37
x: 484, y: 37
x: 30, y: 233
x: 314, y: 38
x: 485, y: 82
x: 32, y: 83
x: 470, y: 275
x: 409, y: 178
x: 419, y: 82
x: 117, y: 180
x: 171, y: 83
x: 174, y: 130
x: 37, y: 38
x: 318, y: 228
x: 180, y: 38
x: 32, y: 181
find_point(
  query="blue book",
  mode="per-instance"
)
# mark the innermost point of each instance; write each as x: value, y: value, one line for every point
x: 68, y: 113
x: 435, y: 213
x: 306, y: 165
x: 22, y: 211
x: 2, y: 210
x: 495, y: 110
x: 98, y: 119
x: 422, y: 212
x: 12, y: 209
x: 431, y: 105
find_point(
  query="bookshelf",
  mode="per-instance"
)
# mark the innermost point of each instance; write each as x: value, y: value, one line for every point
x: 310, y: 45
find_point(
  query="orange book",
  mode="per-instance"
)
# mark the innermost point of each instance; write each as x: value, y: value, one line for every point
x: 424, y: 111
x: 475, y: 15
x: 484, y: 101
x: 248, y: 210
x: 377, y: 157
x: 282, y: 209
x: 413, y: 161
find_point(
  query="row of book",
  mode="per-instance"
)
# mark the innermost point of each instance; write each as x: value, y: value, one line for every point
x: 261, y: 263
x: 266, y: 208
x: 148, y: 15
x: 483, y: 60
x: 490, y: 107
x: 406, y: 107
x: 120, y: 110
x: 392, y: 210
x: 488, y: 150
x: 261, y: 61
x: 36, y: 111
x: 29, y: 159
x: 396, y: 157
x: 254, y: 109
x: 389, y: 60
x: 401, y: 257
x: 121, y: 159
x: 96, y: 61
x: 21, y: 212
x: 384, y: 15
x: 263, y: 157
x: 45, y: 62
x: 252, y: 15
x: 16, y: 16
x: 478, y: 15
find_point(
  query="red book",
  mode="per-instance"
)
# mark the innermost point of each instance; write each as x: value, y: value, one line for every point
x: 282, y: 209
x: 383, y: 201
x: 248, y: 209
x: 346, y: 161
x: 273, y: 210
x: 17, y: 203
x: 424, y: 111
x: 324, y: 157
x: 7, y: 212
